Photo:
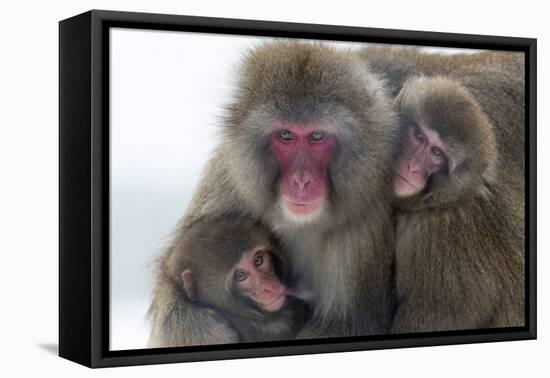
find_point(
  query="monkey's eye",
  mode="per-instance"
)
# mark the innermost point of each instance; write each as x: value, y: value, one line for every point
x: 418, y: 135
x: 240, y: 275
x: 259, y: 259
x: 286, y: 135
x: 437, y: 152
x: 317, y: 136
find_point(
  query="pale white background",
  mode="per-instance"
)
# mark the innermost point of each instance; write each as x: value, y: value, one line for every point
x: 28, y: 190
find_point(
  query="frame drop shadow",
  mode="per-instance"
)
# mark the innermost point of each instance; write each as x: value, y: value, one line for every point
x: 51, y: 348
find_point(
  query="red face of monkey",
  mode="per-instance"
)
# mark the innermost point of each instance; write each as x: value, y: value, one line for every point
x: 303, y: 153
x: 423, y: 155
x: 254, y: 276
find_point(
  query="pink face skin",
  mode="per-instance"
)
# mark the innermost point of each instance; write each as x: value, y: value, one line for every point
x: 255, y: 277
x: 424, y: 154
x: 303, y: 152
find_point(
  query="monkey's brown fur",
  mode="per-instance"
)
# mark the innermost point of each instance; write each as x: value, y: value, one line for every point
x: 460, y: 245
x: 344, y: 258
x: 210, y: 249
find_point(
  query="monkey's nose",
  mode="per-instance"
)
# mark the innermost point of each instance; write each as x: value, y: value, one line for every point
x: 302, y: 180
x: 414, y: 165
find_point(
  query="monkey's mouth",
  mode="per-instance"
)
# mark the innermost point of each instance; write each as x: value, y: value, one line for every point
x: 404, y: 179
x: 401, y: 191
x: 303, y: 208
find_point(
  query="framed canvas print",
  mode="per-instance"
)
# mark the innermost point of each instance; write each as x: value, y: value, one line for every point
x: 233, y: 188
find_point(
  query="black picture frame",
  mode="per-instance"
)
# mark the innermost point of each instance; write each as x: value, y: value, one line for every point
x: 84, y: 187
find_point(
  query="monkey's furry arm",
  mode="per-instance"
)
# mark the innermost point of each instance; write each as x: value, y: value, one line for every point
x: 182, y: 323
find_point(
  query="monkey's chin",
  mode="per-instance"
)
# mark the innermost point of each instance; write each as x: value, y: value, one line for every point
x: 301, y: 212
x: 402, y: 188
x: 275, y: 305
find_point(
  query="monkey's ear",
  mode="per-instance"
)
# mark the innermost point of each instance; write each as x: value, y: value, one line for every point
x: 187, y: 278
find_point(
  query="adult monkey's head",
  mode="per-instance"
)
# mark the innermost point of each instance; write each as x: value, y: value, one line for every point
x: 307, y: 134
x: 448, y: 150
